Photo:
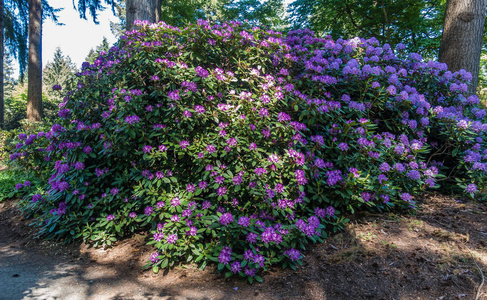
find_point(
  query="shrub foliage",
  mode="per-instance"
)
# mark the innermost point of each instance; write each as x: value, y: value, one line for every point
x: 240, y: 146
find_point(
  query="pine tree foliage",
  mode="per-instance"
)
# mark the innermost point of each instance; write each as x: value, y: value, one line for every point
x: 93, y: 54
x: 57, y: 72
x: 16, y: 20
x: 9, y: 81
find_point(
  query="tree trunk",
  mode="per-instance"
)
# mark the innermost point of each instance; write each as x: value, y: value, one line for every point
x: 461, y: 42
x: 34, y: 88
x: 149, y: 10
x: 2, y: 50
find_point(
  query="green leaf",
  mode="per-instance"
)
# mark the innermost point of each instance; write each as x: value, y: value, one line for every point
x: 155, y: 269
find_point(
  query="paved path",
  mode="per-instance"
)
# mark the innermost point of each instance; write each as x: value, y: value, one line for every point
x: 25, y: 276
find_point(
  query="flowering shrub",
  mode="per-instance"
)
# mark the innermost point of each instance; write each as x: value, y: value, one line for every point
x: 239, y: 146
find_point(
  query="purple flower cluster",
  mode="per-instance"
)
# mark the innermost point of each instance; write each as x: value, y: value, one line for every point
x: 208, y: 130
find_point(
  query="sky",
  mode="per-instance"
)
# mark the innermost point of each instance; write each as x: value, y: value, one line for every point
x: 77, y: 36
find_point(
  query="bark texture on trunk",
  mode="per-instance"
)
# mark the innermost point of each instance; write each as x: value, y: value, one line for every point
x: 34, y: 87
x: 2, y: 48
x: 149, y: 10
x: 461, y: 42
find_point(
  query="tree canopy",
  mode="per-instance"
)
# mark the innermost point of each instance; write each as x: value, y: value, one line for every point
x: 416, y: 24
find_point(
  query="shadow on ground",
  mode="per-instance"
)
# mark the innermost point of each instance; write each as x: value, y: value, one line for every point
x: 436, y: 254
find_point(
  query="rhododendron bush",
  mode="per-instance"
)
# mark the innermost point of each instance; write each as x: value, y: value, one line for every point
x: 240, y: 146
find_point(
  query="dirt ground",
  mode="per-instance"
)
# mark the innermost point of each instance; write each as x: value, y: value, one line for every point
x: 438, y: 253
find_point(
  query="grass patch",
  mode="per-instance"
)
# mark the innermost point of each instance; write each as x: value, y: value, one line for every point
x: 9, y: 178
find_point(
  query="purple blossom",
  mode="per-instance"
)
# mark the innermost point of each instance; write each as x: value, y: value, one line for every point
x: 384, y: 167
x: 87, y: 150
x: 414, y: 174
x: 199, y: 109
x: 184, y: 144
x: 406, y: 197
x: 190, y: 188
x: 293, y: 254
x: 236, y: 267
x: 334, y: 176
x: 171, y: 239
x: 250, y: 272
x: 202, y: 185
x: 206, y: 204
x: 244, y: 221
x: 148, y: 210
x: 225, y: 255
x: 132, y: 119
x: 221, y: 191
x: 343, y: 146
x: 283, y: 117
x: 471, y: 188
x: 260, y: 171
x: 252, y: 237
x: 399, y: 167
x: 154, y: 257
x: 173, y: 95
x: 36, y: 198
x: 279, y: 188
x: 237, y: 180
x: 187, y: 114
x: 192, y: 231
x: 79, y: 165
x: 263, y: 112
x: 226, y: 219
x: 232, y: 142
x: 300, y: 177
x: 147, y: 149
x: 175, y: 201
x: 201, y: 72
x: 158, y: 236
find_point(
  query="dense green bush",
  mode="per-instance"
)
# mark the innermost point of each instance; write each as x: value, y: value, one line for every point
x: 239, y: 146
x: 16, y: 107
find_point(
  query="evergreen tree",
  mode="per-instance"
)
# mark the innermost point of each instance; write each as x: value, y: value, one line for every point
x: 34, y: 90
x: 118, y: 28
x: 9, y: 81
x: 93, y: 54
x: 57, y: 72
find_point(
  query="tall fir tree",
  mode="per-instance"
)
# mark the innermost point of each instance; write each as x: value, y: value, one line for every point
x: 93, y: 54
x: 57, y: 72
x: 34, y: 90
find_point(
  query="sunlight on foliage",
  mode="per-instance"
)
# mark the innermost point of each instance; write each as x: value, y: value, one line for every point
x: 240, y: 146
